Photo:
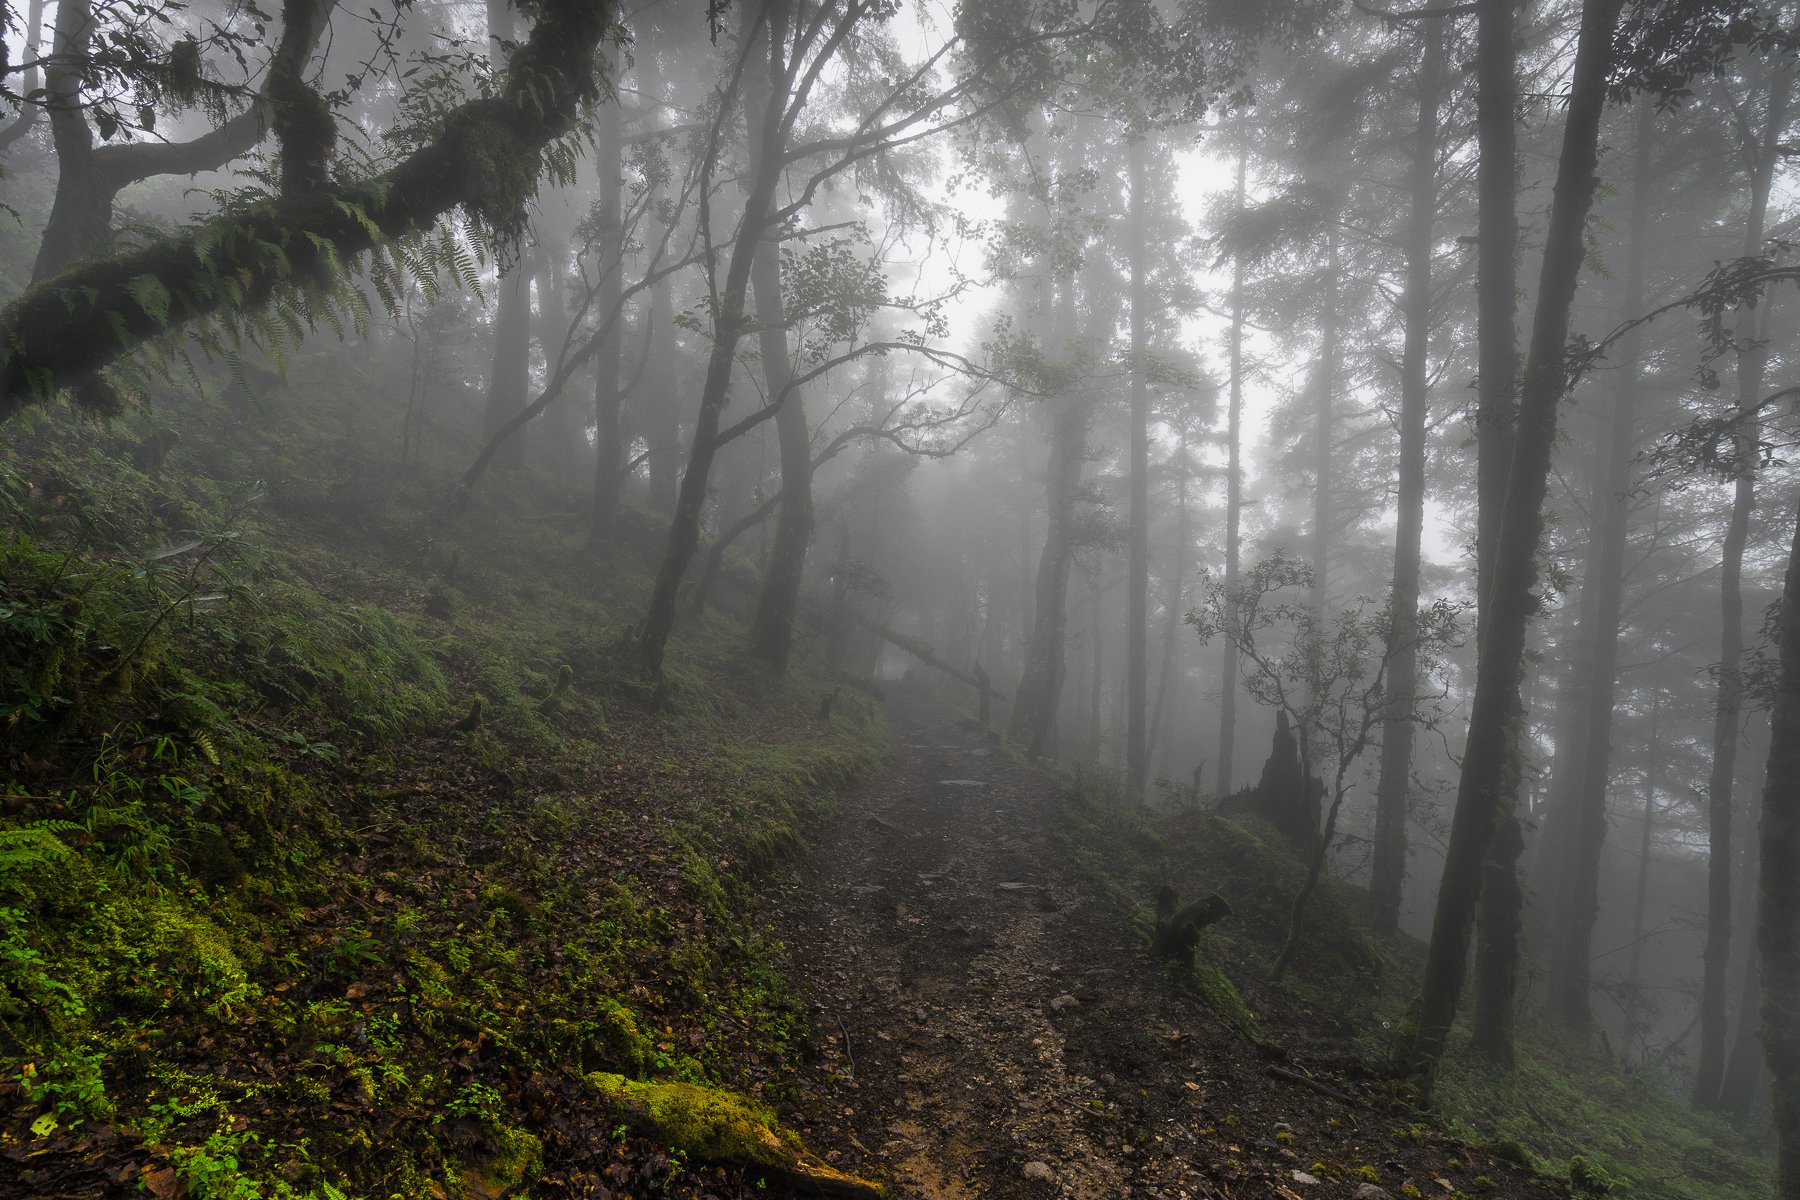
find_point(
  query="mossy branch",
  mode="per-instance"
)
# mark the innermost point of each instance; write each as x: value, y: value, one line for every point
x: 486, y: 160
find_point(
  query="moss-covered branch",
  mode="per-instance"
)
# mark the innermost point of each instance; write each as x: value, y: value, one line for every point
x: 487, y: 159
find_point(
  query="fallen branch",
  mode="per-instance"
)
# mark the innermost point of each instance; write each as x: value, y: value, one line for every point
x: 1307, y: 1081
x: 925, y: 654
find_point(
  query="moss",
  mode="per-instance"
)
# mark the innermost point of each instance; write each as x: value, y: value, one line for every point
x: 701, y: 1122
x: 712, y: 1125
x: 518, y: 1158
x: 618, y: 1041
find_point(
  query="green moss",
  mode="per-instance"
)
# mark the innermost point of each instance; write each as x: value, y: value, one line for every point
x: 518, y: 1158
x: 701, y: 1122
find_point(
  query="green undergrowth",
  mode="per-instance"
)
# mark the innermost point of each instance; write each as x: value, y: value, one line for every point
x: 1588, y: 1126
x: 270, y: 921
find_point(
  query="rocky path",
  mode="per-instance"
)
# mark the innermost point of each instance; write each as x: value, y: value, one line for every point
x: 986, y: 1022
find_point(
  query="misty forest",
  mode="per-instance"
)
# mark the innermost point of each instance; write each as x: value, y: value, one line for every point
x: 911, y: 598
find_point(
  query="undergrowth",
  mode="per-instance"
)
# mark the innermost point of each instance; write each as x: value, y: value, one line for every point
x: 271, y: 925
x: 1588, y: 1126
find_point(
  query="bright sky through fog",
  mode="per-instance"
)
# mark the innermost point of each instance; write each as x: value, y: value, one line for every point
x: 1202, y: 177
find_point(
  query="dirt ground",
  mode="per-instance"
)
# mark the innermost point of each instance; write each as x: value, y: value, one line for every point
x: 986, y: 1020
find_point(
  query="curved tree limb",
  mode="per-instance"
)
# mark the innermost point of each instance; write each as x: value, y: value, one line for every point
x: 66, y: 328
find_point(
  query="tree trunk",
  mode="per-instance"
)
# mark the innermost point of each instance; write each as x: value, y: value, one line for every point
x: 1753, y: 360
x: 80, y: 215
x: 1234, y: 486
x: 1137, y: 633
x: 1160, y: 723
x: 609, y: 440
x: 1646, y: 837
x: 1489, y: 768
x: 509, y: 375
x: 28, y: 111
x: 1387, y: 872
x: 729, y: 325
x: 1742, y: 1091
x: 1778, y: 908
x: 1501, y: 899
x: 1032, y: 723
x: 1584, y: 777
x: 657, y: 389
x: 1324, y: 432
x: 772, y: 624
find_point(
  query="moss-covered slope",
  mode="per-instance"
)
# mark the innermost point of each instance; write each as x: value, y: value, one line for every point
x: 285, y: 912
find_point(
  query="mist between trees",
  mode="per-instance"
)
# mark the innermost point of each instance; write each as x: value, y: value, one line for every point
x: 1103, y: 362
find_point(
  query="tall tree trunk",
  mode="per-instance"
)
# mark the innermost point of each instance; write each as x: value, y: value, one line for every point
x: 1160, y: 723
x: 772, y: 624
x: 1741, y: 1089
x: 609, y: 440
x: 1489, y: 769
x: 1234, y: 484
x: 1387, y: 872
x: 1778, y: 907
x: 1753, y: 358
x: 80, y: 219
x: 1137, y: 633
x: 1498, y: 892
x: 1597, y: 646
x: 1032, y: 723
x: 657, y: 396
x: 1325, y: 379
x: 728, y: 327
x: 509, y: 374
x: 28, y: 111
x: 1646, y: 836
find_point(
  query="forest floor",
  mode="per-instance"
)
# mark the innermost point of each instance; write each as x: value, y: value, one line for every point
x: 988, y: 1021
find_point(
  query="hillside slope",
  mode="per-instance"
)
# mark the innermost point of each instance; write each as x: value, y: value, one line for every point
x: 339, y: 849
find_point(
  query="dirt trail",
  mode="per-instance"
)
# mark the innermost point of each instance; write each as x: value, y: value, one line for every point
x: 987, y: 1024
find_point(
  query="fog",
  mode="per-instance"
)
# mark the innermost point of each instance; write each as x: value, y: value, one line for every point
x: 1375, y: 423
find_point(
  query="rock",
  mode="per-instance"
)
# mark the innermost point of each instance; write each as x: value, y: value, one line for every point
x: 1369, y: 1191
x: 1063, y: 1001
x: 1301, y: 1177
x: 1039, y: 1172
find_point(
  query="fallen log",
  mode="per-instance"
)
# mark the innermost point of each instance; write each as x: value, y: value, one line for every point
x: 926, y: 655
x: 715, y: 1126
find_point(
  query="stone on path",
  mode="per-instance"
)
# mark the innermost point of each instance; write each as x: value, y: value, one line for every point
x: 1039, y: 1171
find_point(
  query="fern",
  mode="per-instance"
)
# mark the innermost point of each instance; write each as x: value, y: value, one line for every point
x: 26, y: 848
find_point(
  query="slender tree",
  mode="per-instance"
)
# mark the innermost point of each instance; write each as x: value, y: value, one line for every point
x: 1762, y: 152
x: 772, y: 624
x: 1576, y: 821
x: 1778, y: 904
x: 1489, y: 768
x: 609, y: 240
x: 1137, y: 648
x: 1388, y: 868
x: 1229, y: 667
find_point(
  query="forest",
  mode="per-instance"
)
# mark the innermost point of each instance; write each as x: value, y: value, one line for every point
x: 913, y: 598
